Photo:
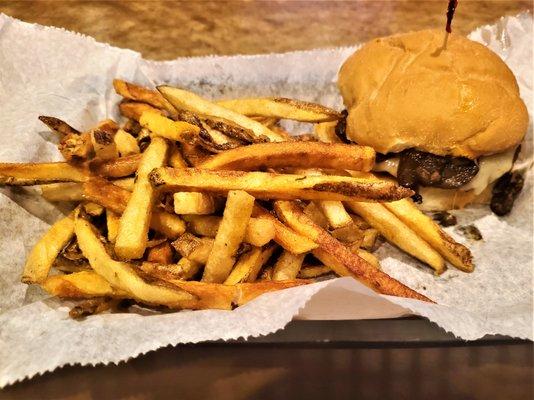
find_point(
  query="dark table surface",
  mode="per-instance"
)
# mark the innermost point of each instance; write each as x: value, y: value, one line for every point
x: 373, y: 359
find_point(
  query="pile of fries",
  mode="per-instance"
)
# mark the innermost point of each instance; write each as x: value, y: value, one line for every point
x: 193, y: 204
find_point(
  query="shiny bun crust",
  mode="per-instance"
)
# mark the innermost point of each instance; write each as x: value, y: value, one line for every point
x: 405, y: 91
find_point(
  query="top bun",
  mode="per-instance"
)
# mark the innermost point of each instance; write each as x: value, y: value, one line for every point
x: 406, y: 91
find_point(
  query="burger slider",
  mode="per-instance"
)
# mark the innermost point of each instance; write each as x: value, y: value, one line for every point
x: 446, y: 122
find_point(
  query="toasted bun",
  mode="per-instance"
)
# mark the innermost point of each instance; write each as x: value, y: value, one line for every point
x: 405, y: 91
x: 435, y: 199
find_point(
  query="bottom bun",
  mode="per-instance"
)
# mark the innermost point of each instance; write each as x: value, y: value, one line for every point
x: 435, y: 199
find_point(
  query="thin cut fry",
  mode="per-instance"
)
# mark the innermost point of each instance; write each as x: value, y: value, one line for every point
x: 182, y: 99
x: 194, y: 248
x: 122, y: 275
x: 134, y: 110
x: 293, y: 154
x: 162, y: 126
x: 83, y: 284
x: 126, y: 143
x: 194, y: 154
x: 176, y: 160
x: 369, y: 239
x: 27, y: 174
x: 103, y: 140
x: 160, y: 254
x: 193, y: 203
x: 457, y: 254
x: 135, y: 220
x: 93, y: 209
x: 326, y: 132
x: 265, y: 185
x: 313, y: 271
x: 249, y: 265
x: 287, y: 266
x: 132, y: 91
x: 184, y: 269
x: 58, y: 125
x: 114, y: 198
x: 280, y: 107
x: 76, y: 146
x: 45, y: 251
x: 335, y: 213
x: 291, y: 213
x: 112, y: 224
x: 231, y: 232
x: 396, y: 232
x: 249, y: 291
x: 349, y: 234
x: 117, y: 168
x: 63, y: 191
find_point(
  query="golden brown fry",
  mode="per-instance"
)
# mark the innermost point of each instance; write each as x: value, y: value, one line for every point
x: 287, y: 266
x: 126, y: 143
x: 249, y: 291
x: 57, y: 125
x: 122, y: 275
x: 112, y: 225
x: 27, y: 174
x: 193, y: 203
x: 103, y: 140
x: 457, y: 254
x: 326, y: 132
x: 284, y: 236
x: 396, y: 232
x: 45, y: 251
x: 292, y: 214
x: 293, y: 154
x: 194, y: 248
x: 132, y: 91
x: 249, y: 265
x: 135, y: 220
x: 184, y: 269
x: 229, y: 236
x: 194, y: 154
x: 335, y: 213
x: 125, y: 183
x: 184, y: 100
x: 117, y: 168
x: 349, y: 234
x: 134, y: 110
x: 369, y: 239
x: 231, y: 130
x: 160, y: 254
x: 76, y: 146
x: 164, y: 127
x: 63, y: 191
x: 265, y: 185
x: 316, y: 215
x: 369, y: 257
x: 114, y: 198
x: 280, y: 107
x: 83, y: 284
x: 267, y: 121
x: 176, y: 160
x: 311, y: 272
x: 93, y: 209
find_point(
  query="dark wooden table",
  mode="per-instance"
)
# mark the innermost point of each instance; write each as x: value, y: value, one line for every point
x: 345, y: 359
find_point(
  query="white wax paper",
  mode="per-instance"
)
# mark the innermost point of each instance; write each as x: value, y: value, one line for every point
x: 49, y: 71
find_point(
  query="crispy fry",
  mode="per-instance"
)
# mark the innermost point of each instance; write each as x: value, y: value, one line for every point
x: 293, y: 154
x: 103, y: 140
x: 160, y: 254
x: 112, y: 224
x: 349, y: 234
x: 267, y: 121
x: 27, y: 174
x: 76, y: 146
x: 280, y: 107
x: 126, y: 143
x: 45, y: 251
x: 117, y: 168
x: 370, y: 258
x: 194, y: 248
x: 135, y: 220
x: 266, y: 185
x: 125, y: 183
x: 122, y: 275
x: 176, y: 160
x: 93, y: 209
x: 134, y: 110
x: 335, y: 213
x: 182, y: 99
x: 230, y: 234
x: 193, y: 203
x: 316, y: 215
x: 132, y: 91
x: 194, y: 154
x: 457, y: 254
x: 231, y: 130
x: 396, y: 232
x: 287, y: 266
x: 57, y: 125
x: 114, y: 198
x: 249, y: 265
x: 284, y: 236
x: 63, y: 191
x: 292, y: 214
x: 83, y: 284
x: 369, y: 239
x: 313, y: 271
x: 162, y: 126
x: 184, y: 269
x: 249, y: 291
x: 326, y: 132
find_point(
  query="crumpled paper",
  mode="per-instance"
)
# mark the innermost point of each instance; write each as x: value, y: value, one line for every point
x: 49, y: 71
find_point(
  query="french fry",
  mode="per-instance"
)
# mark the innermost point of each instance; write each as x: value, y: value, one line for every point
x: 396, y: 232
x: 316, y: 215
x: 135, y: 220
x: 349, y: 234
x: 194, y: 248
x: 249, y: 291
x: 284, y: 236
x: 134, y: 110
x: 115, y: 198
x: 63, y: 191
x: 457, y: 254
x: 46, y: 250
x: 126, y: 144
x: 287, y: 266
x: 249, y: 265
x: 176, y: 160
x: 164, y: 127
x: 125, y: 183
x: 369, y: 239
x: 335, y: 213
x: 259, y: 231
x: 280, y: 107
x: 369, y: 257
x: 117, y: 168
x: 132, y: 91
x: 293, y: 154
x: 28, y: 174
x: 103, y: 140
x: 184, y: 269
x: 160, y: 254
x: 231, y: 130
x: 266, y: 185
x: 83, y: 284
x: 57, y: 125
x: 112, y: 224
x: 326, y: 132
x: 292, y: 214
x: 182, y: 99
x: 269, y: 122
x: 122, y: 275
x: 93, y: 209
x: 194, y: 154
x: 76, y: 146
x: 230, y: 234
x: 313, y: 271
x: 193, y: 203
